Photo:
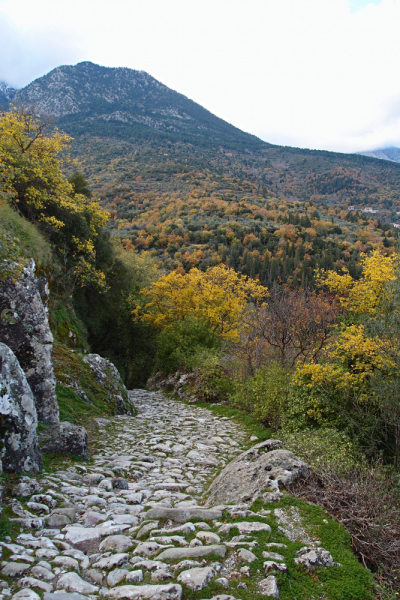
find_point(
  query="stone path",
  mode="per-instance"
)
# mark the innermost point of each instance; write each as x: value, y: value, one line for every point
x: 130, y: 524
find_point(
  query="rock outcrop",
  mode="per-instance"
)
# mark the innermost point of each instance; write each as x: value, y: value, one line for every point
x: 263, y: 468
x: 65, y: 438
x: 24, y: 327
x: 19, y: 450
x: 108, y: 376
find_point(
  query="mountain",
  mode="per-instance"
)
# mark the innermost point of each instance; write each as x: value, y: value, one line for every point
x: 7, y: 93
x: 88, y: 98
x: 392, y: 154
x: 192, y: 189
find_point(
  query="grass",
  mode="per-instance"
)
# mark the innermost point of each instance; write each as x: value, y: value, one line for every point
x: 31, y: 242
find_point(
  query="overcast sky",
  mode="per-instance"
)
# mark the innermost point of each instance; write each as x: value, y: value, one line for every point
x: 309, y: 73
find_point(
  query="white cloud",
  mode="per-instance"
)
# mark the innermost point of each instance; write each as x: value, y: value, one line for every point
x: 28, y: 53
x: 302, y: 72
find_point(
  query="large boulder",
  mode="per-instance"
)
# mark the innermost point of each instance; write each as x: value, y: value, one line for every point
x: 106, y: 373
x: 24, y: 327
x: 19, y: 450
x: 65, y: 438
x: 264, y: 467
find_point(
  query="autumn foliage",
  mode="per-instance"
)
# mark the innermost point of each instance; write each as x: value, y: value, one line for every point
x: 217, y: 296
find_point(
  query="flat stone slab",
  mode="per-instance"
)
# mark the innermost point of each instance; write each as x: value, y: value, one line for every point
x: 63, y: 596
x: 172, y: 591
x: 196, y: 552
x: 15, y: 569
x: 198, y: 578
x: 183, y: 515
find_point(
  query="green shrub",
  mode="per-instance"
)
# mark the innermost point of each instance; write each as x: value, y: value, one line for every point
x: 212, y: 382
x: 324, y: 448
x: 264, y: 395
x: 180, y: 344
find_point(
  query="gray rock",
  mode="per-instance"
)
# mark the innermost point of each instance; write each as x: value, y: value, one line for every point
x: 41, y: 572
x: 24, y: 327
x: 71, y: 582
x: 223, y: 581
x: 196, y: 579
x: 269, y: 587
x: 311, y: 558
x: 246, y: 556
x: 26, y: 594
x: 208, y: 537
x: 171, y: 591
x: 119, y: 483
x: 31, y: 582
x: 179, y: 515
x: 19, y: 449
x: 119, y: 543
x: 271, y: 565
x: 65, y: 438
x: 198, y: 552
x: 26, y: 487
x: 116, y: 560
x: 116, y: 576
x: 161, y: 575
x: 14, y: 569
x: 273, y: 556
x: 245, y: 527
x: 135, y: 576
x: 108, y: 376
x: 63, y: 596
x: 253, y: 472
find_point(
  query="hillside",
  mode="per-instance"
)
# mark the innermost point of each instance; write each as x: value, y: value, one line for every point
x: 392, y: 154
x: 194, y: 190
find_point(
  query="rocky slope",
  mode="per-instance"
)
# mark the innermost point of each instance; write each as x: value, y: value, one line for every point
x: 132, y: 524
x: 28, y: 383
x: 88, y: 97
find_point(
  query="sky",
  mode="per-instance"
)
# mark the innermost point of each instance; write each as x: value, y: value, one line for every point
x: 308, y: 73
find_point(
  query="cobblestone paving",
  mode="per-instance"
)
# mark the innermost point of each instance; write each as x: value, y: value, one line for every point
x: 131, y: 524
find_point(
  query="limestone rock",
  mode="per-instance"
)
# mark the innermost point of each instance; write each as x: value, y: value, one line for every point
x: 65, y: 438
x: 311, y: 558
x: 14, y: 569
x: 24, y: 327
x: 108, y: 376
x: 183, y: 515
x: 253, y: 472
x: 171, y: 591
x: 119, y: 543
x: 198, y: 552
x: 269, y: 587
x: 26, y: 594
x: 196, y: 579
x: 73, y: 583
x: 18, y: 418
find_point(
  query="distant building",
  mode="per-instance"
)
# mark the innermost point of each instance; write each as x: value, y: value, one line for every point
x: 352, y: 208
x: 371, y: 211
x: 396, y: 225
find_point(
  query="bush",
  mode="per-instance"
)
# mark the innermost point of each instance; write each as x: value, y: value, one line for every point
x: 264, y: 395
x: 212, y: 382
x: 180, y: 344
x: 323, y: 448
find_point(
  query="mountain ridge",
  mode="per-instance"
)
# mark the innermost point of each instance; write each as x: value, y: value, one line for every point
x: 79, y: 95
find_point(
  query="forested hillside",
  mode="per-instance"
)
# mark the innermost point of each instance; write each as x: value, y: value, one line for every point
x: 194, y: 190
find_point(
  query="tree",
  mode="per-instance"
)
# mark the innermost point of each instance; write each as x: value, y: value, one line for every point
x: 216, y: 296
x: 33, y: 160
x: 294, y: 326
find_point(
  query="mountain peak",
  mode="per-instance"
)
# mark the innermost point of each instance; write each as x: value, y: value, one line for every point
x: 125, y: 102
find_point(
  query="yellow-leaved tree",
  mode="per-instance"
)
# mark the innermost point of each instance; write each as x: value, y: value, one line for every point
x: 345, y: 387
x: 216, y: 296
x: 32, y: 181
